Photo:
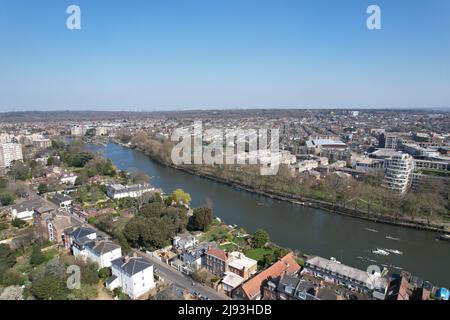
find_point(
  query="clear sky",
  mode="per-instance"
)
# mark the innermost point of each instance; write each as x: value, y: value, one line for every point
x: 184, y: 54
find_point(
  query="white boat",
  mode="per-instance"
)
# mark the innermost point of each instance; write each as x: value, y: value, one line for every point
x: 371, y: 230
x: 334, y: 260
x: 380, y: 252
x: 395, y: 251
x: 392, y: 238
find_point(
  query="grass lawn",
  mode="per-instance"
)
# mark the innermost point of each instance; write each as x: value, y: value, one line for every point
x: 258, y: 253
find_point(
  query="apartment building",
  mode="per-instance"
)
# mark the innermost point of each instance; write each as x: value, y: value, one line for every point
x: 10, y: 152
x: 398, y: 172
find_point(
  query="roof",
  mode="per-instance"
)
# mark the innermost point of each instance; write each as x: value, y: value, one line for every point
x: 233, y: 280
x: 60, y: 198
x: 287, y: 264
x: 103, y: 247
x: 110, y: 279
x: 132, y: 265
x: 28, y: 205
x: 81, y: 232
x: 348, y: 272
x: 61, y: 222
x: 327, y: 143
x: 240, y: 261
x: 220, y: 254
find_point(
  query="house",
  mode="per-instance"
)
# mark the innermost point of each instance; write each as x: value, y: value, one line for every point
x: 241, y: 265
x: 119, y: 191
x: 290, y: 287
x: 133, y: 274
x: 230, y: 282
x: 252, y: 289
x: 217, y: 261
x: 346, y: 276
x: 184, y: 241
x: 103, y: 252
x: 56, y: 228
x: 195, y: 257
x: 25, y: 209
x: 68, y: 178
x: 79, y: 238
x: 62, y: 200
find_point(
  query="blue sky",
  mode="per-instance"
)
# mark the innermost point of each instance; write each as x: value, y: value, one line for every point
x: 184, y: 54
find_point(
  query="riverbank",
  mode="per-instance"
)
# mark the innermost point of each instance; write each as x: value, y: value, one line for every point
x: 309, y: 202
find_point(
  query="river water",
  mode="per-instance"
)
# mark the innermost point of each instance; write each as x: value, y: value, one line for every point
x: 311, y: 231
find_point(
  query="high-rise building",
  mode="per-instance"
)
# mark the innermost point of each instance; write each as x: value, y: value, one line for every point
x: 9, y: 152
x: 398, y: 172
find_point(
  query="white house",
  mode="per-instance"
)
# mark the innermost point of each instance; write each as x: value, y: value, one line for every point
x: 184, y: 241
x: 62, y: 200
x: 103, y: 252
x: 133, y: 274
x: 68, y: 178
x: 119, y: 191
x: 79, y: 238
x: 25, y: 209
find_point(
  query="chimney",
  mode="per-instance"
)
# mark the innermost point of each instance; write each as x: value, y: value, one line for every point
x: 126, y: 259
x: 135, y: 255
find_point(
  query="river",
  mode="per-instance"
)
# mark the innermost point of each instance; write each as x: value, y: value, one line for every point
x: 311, y: 231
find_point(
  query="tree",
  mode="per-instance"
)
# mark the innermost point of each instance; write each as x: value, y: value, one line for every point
x: 6, y: 198
x: 11, y: 278
x: 202, y: 217
x: 104, y: 273
x: 180, y: 197
x: 36, y: 256
x: 42, y: 188
x: 49, y: 288
x: 3, y: 183
x: 18, y: 223
x: 139, y: 177
x: 19, y: 171
x: 7, y: 257
x: 260, y: 238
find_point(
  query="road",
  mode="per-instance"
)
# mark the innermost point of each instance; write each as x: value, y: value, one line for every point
x: 174, y: 276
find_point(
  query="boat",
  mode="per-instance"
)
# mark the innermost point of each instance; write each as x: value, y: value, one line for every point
x: 334, y: 260
x: 392, y: 238
x: 444, y: 236
x: 371, y: 230
x: 380, y: 252
x: 394, y: 251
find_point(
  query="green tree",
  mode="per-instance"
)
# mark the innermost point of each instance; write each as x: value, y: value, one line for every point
x: 49, y: 288
x: 37, y: 257
x: 6, y: 198
x: 260, y: 238
x: 18, y: 223
x: 104, y: 273
x: 202, y: 218
x: 42, y: 188
x: 7, y: 257
x: 19, y: 171
x: 3, y: 183
x: 180, y: 197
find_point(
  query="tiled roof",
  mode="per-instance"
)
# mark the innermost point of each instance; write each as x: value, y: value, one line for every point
x: 220, y: 254
x: 133, y: 265
x: 104, y: 246
x: 81, y: 232
x: 287, y: 264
